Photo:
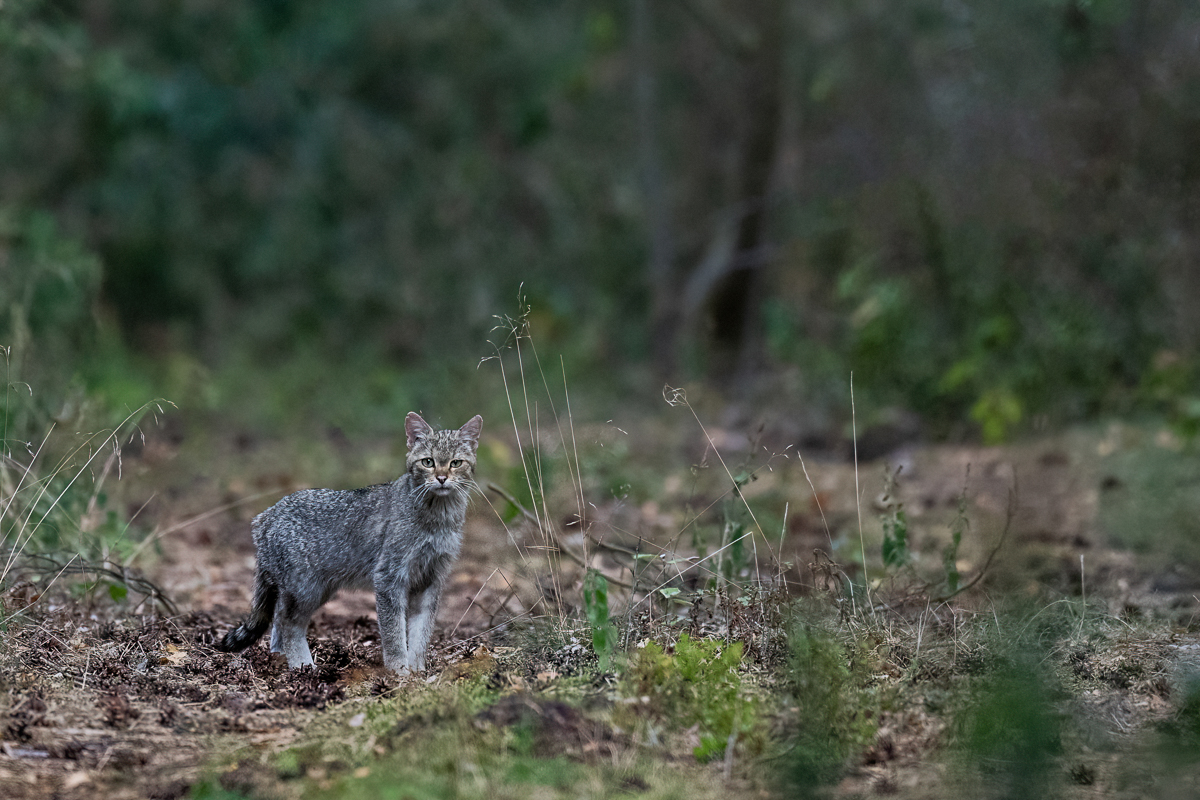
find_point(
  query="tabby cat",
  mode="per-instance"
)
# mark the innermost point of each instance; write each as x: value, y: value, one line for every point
x: 399, y: 538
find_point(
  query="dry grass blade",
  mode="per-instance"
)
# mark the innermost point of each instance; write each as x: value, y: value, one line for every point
x: 550, y: 534
x: 37, y: 496
x: 858, y: 496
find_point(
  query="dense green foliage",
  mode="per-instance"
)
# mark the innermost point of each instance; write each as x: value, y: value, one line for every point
x: 983, y: 211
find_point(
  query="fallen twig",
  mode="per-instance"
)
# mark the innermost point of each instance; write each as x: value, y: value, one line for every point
x: 124, y: 575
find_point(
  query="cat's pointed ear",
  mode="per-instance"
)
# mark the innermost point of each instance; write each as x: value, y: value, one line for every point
x: 471, y: 430
x: 415, y: 428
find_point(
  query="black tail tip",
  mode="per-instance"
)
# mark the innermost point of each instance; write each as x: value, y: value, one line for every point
x: 237, y: 640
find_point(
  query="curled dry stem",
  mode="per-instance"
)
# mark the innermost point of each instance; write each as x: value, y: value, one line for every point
x: 1009, y: 514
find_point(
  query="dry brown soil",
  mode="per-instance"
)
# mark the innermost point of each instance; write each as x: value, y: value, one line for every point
x: 123, y: 700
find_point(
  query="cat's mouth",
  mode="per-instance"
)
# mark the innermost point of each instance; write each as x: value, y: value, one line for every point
x: 441, y: 489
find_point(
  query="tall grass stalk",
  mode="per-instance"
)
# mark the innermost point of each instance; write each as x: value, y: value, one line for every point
x: 862, y: 544
x: 33, y: 490
x: 516, y: 335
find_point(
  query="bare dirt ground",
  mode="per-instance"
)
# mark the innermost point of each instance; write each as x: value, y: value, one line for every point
x: 134, y: 704
x: 125, y: 700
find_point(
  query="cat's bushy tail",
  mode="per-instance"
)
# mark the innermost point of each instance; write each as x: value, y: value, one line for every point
x: 262, y: 610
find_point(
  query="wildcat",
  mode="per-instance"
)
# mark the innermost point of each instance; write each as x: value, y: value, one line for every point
x: 400, y: 538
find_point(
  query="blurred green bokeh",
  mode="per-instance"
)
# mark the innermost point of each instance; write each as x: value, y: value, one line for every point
x: 985, y: 211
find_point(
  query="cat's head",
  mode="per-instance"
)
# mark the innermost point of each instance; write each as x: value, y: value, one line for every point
x: 442, y: 463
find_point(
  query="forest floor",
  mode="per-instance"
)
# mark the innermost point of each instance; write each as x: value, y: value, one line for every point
x: 110, y: 694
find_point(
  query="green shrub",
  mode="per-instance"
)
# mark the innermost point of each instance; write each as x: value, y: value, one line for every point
x: 835, y: 716
x: 698, y: 684
x: 1010, y: 733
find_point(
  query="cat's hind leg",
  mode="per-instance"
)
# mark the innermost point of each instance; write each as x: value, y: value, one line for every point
x: 289, y: 631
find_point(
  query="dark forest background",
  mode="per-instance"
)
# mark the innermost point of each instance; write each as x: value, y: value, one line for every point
x: 986, y: 210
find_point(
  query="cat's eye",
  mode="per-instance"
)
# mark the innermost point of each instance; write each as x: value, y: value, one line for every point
x: 456, y: 463
x: 427, y: 462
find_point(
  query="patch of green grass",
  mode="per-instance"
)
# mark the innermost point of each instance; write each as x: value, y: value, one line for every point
x: 555, y: 772
x: 212, y: 790
x: 698, y: 684
x: 1150, y: 498
x: 457, y: 754
x: 836, y: 717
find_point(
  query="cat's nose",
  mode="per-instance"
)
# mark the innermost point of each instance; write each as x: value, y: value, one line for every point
x: 441, y: 478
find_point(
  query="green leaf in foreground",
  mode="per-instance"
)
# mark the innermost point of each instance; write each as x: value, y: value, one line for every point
x: 595, y: 604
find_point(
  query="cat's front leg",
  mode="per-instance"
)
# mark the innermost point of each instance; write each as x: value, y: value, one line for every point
x: 391, y: 605
x: 422, y: 613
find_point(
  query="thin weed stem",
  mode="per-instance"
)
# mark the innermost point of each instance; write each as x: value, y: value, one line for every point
x: 679, y: 397
x: 858, y: 498
x: 817, y: 500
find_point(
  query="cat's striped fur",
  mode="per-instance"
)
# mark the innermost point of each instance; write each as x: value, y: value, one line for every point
x: 400, y: 538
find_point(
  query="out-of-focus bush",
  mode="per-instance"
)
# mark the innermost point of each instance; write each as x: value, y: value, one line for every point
x: 985, y: 212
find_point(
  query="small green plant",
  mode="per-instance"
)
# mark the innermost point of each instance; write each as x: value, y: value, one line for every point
x: 950, y: 552
x: 699, y: 685
x: 595, y: 605
x: 735, y: 551
x: 835, y: 722
x: 896, y: 553
x: 1010, y: 732
x: 736, y: 558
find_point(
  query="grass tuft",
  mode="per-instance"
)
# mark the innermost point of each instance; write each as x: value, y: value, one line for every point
x: 56, y: 514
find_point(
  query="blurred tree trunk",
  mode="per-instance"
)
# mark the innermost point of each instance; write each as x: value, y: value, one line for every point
x: 666, y: 314
x: 719, y: 296
x: 735, y: 302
